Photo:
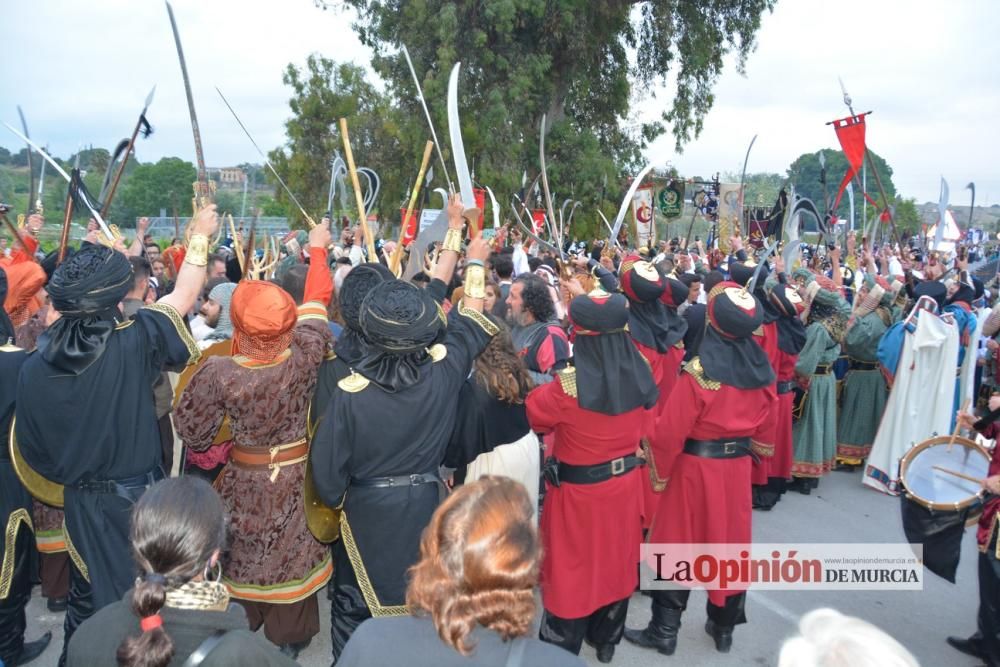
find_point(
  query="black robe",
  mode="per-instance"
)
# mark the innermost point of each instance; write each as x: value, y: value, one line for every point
x: 483, y: 424
x: 368, y: 433
x: 101, y: 426
x: 15, y: 512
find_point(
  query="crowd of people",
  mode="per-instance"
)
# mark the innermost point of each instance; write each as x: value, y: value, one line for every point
x: 507, y: 421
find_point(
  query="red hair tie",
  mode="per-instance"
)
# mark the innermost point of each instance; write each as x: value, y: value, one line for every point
x: 151, y: 622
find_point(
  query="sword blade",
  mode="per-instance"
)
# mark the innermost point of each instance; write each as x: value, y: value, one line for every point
x: 62, y: 172
x: 199, y: 154
x: 427, y: 114
x: 31, y: 170
x: 458, y: 147
x: 267, y: 162
x: 627, y: 201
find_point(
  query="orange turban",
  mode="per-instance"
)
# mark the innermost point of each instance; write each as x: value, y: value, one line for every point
x: 263, y: 317
x: 24, y: 279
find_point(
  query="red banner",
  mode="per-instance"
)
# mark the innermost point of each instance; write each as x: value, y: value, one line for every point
x: 851, y: 134
x: 411, y: 225
x: 480, y: 195
x: 538, y: 218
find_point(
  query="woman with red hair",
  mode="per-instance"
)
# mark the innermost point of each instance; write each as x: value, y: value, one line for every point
x: 472, y: 594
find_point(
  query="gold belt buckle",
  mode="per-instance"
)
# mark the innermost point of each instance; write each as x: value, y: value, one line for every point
x: 618, y: 466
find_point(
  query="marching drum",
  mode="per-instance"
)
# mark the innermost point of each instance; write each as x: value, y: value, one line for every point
x: 945, y: 473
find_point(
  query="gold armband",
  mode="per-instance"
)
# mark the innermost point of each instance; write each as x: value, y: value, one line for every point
x: 453, y: 241
x: 197, y: 250
x: 475, y: 282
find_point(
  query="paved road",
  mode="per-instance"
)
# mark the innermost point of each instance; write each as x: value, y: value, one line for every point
x: 840, y: 511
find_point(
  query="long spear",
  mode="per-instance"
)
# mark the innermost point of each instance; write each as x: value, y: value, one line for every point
x: 397, y: 254
x: 353, y: 171
x: 139, y: 125
x: 68, y: 215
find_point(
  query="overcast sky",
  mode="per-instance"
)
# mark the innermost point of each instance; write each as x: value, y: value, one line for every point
x: 928, y: 70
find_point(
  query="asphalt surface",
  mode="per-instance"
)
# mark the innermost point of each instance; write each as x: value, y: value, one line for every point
x: 841, y: 510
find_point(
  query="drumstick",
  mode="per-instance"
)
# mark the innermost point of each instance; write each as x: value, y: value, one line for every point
x: 958, y: 426
x: 959, y: 474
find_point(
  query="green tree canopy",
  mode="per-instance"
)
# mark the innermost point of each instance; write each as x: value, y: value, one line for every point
x: 323, y: 93
x: 149, y: 189
x: 804, y: 174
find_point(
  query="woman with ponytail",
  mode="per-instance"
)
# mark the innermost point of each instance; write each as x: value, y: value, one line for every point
x: 178, y: 606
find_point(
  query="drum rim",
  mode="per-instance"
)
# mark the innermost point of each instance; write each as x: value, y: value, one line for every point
x: 904, y: 463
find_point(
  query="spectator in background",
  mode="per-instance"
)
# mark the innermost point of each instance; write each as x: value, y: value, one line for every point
x: 831, y: 639
x: 538, y: 338
x: 472, y: 594
x: 177, y: 604
x: 216, y: 266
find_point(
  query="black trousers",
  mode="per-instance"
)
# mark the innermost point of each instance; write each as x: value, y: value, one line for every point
x: 12, y: 617
x: 733, y: 613
x: 989, y: 604
x: 603, y: 626
x: 348, y: 608
x: 79, y: 609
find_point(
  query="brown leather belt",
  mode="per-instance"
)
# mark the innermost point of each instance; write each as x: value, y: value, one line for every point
x: 273, y: 458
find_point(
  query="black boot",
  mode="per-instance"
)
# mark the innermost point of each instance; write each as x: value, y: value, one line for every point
x: 31, y: 650
x: 661, y: 633
x: 972, y: 646
x: 605, y: 652
x: 56, y: 605
x: 722, y: 634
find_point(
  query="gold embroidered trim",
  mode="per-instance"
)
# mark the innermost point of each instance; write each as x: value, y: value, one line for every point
x: 479, y: 319
x: 14, y: 521
x: 658, y: 483
x: 288, y: 592
x: 353, y: 383
x: 312, y: 310
x: 760, y: 449
x: 567, y: 378
x: 438, y: 352
x: 178, y: 322
x: 364, y: 582
x: 253, y: 364
x: 75, y: 556
x: 124, y: 325
x: 694, y: 368
x: 330, y: 356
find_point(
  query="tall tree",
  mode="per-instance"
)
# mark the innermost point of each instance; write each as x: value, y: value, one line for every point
x: 148, y: 190
x: 804, y: 174
x: 581, y: 63
x: 321, y: 94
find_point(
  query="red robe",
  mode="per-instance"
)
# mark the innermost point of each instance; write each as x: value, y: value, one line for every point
x: 764, y: 445
x: 665, y: 368
x: 780, y: 463
x: 707, y: 500
x: 590, y: 532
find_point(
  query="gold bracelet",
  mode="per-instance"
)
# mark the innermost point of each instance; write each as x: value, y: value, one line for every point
x: 453, y: 240
x: 475, y: 282
x: 197, y: 250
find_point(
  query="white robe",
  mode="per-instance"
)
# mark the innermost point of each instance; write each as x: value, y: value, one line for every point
x: 519, y: 460
x: 921, y: 402
x: 967, y: 377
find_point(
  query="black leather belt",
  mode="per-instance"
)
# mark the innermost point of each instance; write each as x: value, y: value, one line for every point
x: 720, y: 449
x: 786, y: 387
x: 858, y: 365
x: 822, y: 369
x: 122, y: 487
x: 398, y: 480
x: 557, y: 472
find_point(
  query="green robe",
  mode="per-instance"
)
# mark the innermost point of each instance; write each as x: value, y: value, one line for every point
x: 814, y: 436
x: 865, y: 392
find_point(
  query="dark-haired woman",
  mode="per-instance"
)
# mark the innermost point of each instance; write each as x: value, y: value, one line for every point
x: 472, y: 592
x: 492, y: 435
x: 178, y: 605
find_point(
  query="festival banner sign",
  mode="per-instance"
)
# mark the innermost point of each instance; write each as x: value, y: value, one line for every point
x: 642, y: 212
x: 670, y: 199
x: 728, y: 213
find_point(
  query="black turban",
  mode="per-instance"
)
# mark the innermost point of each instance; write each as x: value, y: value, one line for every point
x: 86, y: 290
x: 399, y: 322
x: 6, y: 326
x: 359, y: 281
x: 612, y: 377
x: 728, y: 352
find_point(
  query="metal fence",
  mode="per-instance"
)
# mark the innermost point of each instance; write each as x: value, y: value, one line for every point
x: 165, y: 227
